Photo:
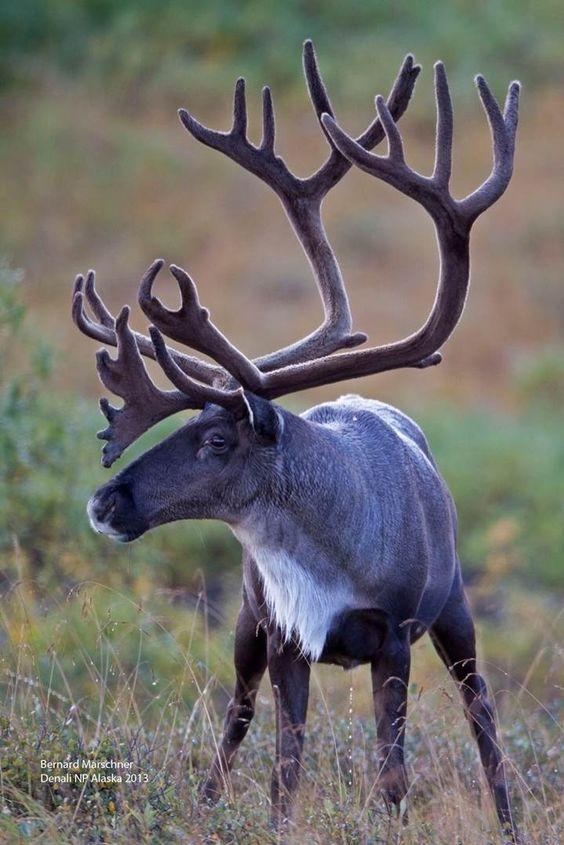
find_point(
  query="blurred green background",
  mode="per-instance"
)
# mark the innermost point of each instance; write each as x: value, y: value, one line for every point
x: 95, y: 170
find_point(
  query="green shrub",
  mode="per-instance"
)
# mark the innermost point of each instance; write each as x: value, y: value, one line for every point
x: 506, y: 474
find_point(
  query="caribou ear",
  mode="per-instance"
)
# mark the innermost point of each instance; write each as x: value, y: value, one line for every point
x: 264, y: 418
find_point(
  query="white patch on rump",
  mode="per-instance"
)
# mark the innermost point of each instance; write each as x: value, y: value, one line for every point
x: 299, y: 605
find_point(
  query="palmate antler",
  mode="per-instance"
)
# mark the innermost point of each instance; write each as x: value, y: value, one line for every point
x: 308, y: 362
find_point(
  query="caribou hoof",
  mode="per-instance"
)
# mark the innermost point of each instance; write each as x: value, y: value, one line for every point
x: 210, y: 792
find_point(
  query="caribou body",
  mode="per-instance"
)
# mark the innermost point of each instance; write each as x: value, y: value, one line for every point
x: 347, y: 528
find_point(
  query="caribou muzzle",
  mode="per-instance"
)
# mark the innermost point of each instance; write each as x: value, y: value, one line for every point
x: 112, y: 512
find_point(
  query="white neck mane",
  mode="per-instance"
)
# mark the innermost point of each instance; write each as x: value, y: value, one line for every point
x: 300, y: 605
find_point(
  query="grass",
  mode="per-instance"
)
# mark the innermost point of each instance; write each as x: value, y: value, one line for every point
x: 94, y: 693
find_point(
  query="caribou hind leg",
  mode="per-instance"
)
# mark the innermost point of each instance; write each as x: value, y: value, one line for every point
x: 453, y: 636
x: 250, y: 665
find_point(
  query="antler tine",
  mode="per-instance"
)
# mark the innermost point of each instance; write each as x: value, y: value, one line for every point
x: 431, y: 192
x: 239, y: 128
x: 144, y: 404
x: 104, y: 330
x: 191, y: 324
x: 201, y: 394
x: 96, y: 331
x: 258, y: 160
x: 453, y: 221
x: 503, y: 127
x: 317, y: 91
x: 443, y: 146
x: 337, y: 165
x: 126, y: 375
x: 95, y: 301
x: 268, y: 122
x: 395, y: 143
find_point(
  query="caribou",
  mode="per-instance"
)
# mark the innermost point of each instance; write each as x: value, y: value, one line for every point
x: 347, y: 528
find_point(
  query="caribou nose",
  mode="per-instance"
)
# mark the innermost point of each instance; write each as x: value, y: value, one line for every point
x: 112, y: 511
x: 102, y: 508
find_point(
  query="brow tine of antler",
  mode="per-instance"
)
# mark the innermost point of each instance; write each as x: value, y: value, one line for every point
x: 503, y: 128
x: 144, y: 404
x: 201, y: 394
x: 443, y: 144
x: 191, y: 325
x: 119, y: 374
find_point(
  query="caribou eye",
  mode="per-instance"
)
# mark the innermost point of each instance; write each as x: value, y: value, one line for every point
x: 217, y: 443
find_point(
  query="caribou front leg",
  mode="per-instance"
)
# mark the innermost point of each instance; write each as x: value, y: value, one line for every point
x: 390, y: 679
x: 289, y: 674
x: 250, y: 664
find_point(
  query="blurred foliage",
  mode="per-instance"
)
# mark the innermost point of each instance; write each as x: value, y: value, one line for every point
x: 137, y: 46
x: 541, y: 382
x: 506, y: 475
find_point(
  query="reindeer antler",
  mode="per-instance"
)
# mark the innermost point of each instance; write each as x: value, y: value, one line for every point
x: 308, y: 362
x: 302, y: 198
x: 104, y: 329
x: 453, y: 221
x: 191, y: 325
